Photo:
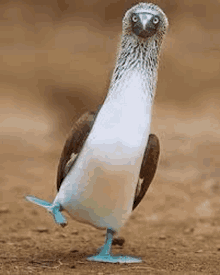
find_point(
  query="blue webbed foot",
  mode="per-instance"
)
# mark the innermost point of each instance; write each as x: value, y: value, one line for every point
x: 105, y: 253
x: 53, y: 208
x: 114, y: 259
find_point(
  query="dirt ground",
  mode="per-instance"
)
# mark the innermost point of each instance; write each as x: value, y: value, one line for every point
x: 55, y: 64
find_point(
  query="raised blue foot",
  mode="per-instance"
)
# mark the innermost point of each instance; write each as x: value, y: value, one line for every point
x: 105, y: 253
x: 53, y: 208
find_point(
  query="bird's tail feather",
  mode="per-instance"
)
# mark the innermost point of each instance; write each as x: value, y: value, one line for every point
x: 53, y: 209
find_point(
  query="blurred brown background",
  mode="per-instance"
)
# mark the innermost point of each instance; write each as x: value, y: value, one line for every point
x: 56, y: 61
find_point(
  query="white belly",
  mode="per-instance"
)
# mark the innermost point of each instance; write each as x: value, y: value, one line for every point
x: 100, y: 188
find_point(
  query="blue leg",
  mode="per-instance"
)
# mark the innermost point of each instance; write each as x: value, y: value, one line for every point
x: 105, y: 253
x: 53, y: 209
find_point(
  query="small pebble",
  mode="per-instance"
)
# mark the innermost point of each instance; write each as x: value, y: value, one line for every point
x: 173, y: 250
x: 118, y: 241
x: 75, y: 232
x: 162, y: 237
x: 74, y: 251
x: 85, y: 239
x: 4, y: 210
x: 42, y: 229
x: 199, y: 251
x: 62, y: 235
x: 189, y: 230
x: 34, y: 212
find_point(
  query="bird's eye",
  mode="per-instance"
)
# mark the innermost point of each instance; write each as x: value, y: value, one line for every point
x: 156, y: 20
x: 134, y: 18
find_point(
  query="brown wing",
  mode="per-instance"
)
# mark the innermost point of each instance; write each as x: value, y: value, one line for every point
x: 74, y: 144
x: 148, y: 168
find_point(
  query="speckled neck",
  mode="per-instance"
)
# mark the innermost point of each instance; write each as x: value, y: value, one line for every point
x: 139, y: 56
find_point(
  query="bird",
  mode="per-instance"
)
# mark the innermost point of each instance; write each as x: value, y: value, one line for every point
x: 110, y: 157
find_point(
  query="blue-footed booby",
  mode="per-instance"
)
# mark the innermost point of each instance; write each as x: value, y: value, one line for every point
x: 110, y: 157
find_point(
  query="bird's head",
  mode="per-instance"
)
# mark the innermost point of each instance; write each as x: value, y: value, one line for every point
x: 143, y: 21
x: 143, y: 30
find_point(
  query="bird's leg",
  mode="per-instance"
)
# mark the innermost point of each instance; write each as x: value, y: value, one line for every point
x: 106, y: 248
x: 107, y: 240
x: 105, y: 252
x: 116, y: 241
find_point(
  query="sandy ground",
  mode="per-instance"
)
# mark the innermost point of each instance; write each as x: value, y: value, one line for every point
x: 55, y: 64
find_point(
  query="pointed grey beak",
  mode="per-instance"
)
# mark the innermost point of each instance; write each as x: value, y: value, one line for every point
x: 145, y: 19
x: 145, y: 24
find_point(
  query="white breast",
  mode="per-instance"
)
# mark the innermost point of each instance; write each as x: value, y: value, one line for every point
x: 100, y: 188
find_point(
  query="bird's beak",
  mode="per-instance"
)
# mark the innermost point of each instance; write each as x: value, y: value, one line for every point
x: 145, y: 27
x: 145, y: 19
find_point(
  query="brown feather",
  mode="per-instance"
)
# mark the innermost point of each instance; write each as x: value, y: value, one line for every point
x: 148, y: 168
x: 74, y: 144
